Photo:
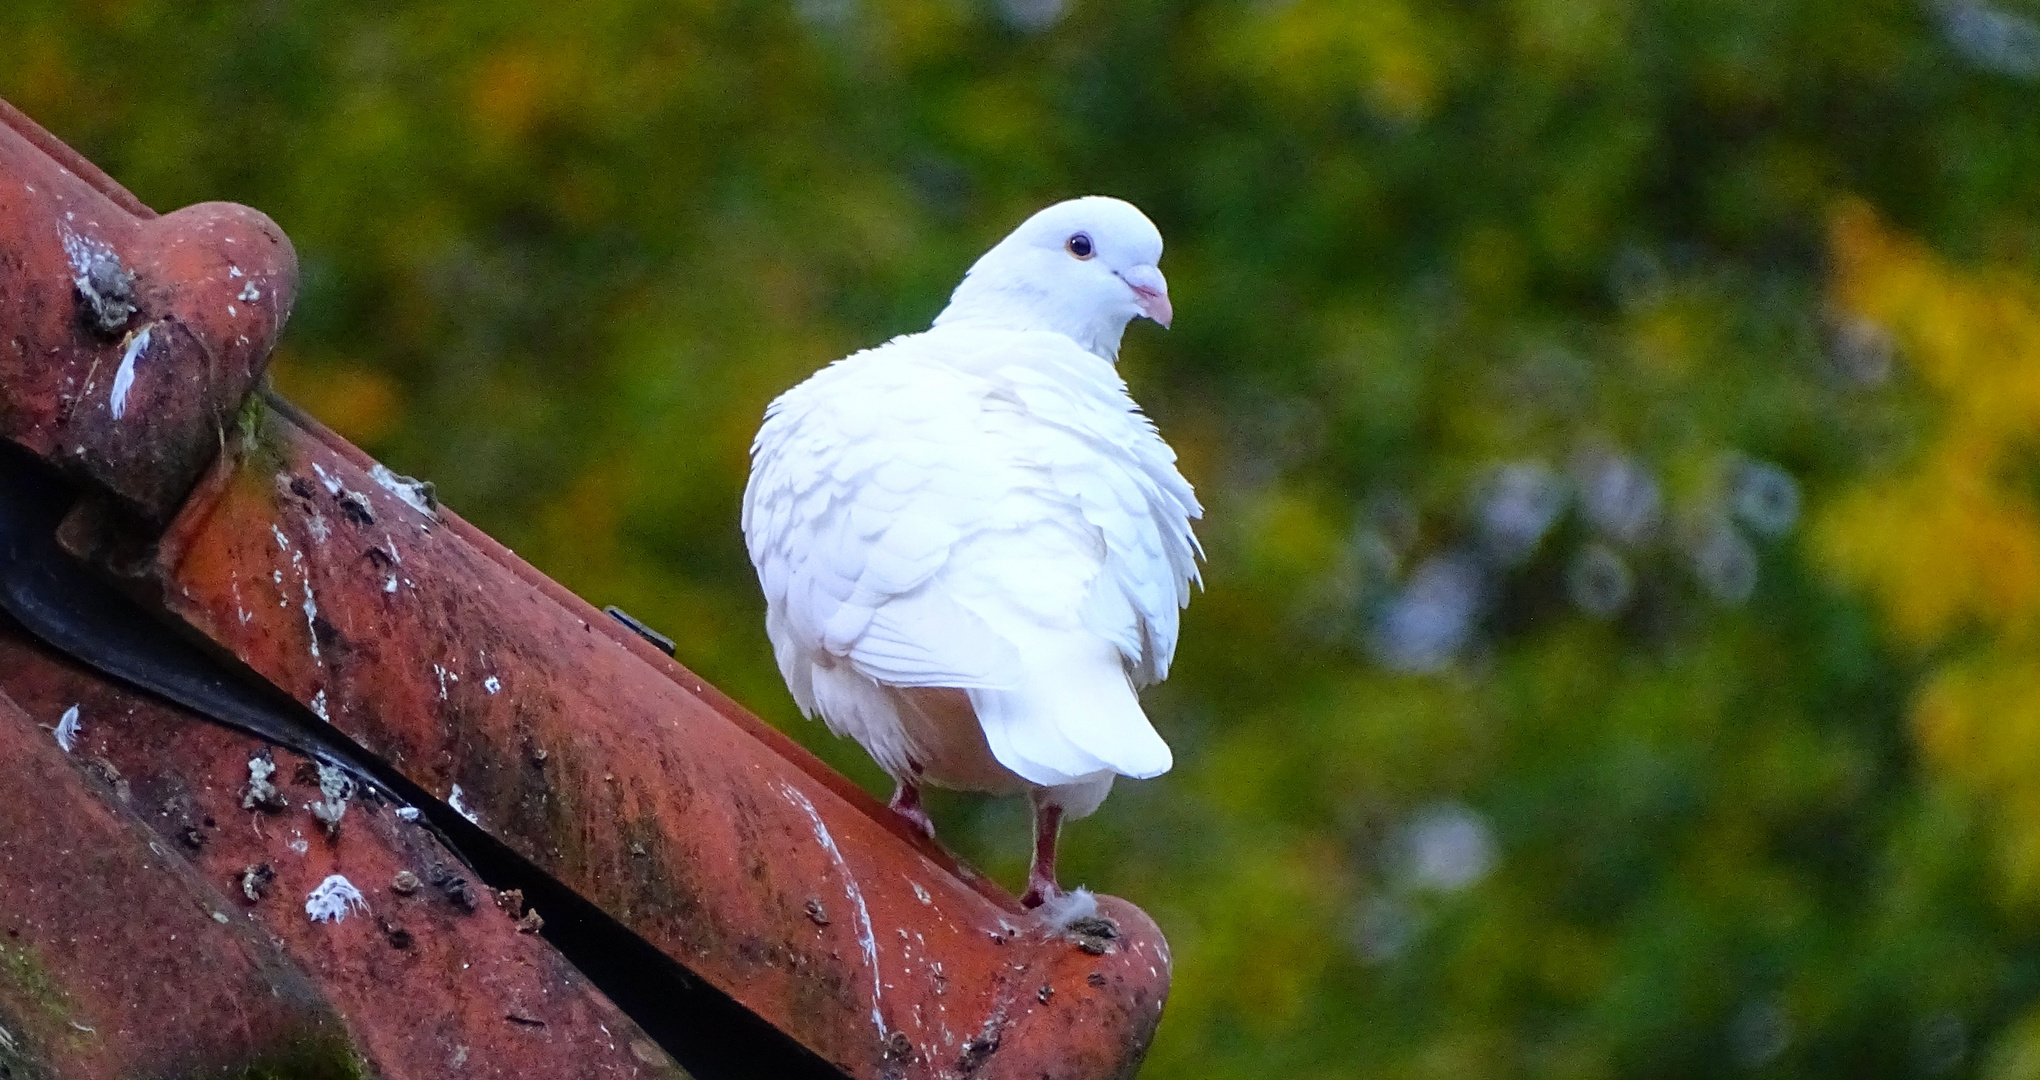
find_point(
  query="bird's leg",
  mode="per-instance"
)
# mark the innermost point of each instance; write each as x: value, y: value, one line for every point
x: 1041, y: 885
x: 906, y: 802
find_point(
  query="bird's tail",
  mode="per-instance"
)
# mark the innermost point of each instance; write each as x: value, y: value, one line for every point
x: 1075, y: 717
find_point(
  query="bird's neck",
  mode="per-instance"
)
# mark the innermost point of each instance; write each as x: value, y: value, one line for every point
x: 1005, y: 304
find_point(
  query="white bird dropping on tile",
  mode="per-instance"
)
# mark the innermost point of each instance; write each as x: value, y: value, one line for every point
x: 974, y: 547
x: 417, y: 494
x: 124, y: 376
x: 457, y: 800
x: 67, y: 729
x: 334, y: 899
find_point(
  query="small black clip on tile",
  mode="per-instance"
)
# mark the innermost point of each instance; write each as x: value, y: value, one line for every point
x: 660, y: 641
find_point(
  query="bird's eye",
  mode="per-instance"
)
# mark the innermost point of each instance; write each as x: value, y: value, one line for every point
x: 1080, y: 246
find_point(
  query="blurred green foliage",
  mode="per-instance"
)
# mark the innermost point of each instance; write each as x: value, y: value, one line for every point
x: 1622, y: 647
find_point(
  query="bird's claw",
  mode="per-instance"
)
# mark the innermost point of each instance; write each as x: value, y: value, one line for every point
x: 918, y: 818
x: 906, y: 802
x: 1039, y: 892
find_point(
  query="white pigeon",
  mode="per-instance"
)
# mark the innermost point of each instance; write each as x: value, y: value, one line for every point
x: 973, y: 545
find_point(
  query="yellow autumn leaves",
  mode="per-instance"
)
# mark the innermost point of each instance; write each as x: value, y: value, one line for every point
x: 1948, y: 543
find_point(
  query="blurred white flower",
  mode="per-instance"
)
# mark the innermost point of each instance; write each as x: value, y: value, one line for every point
x: 1448, y: 847
x: 1724, y: 562
x: 1992, y: 38
x: 1430, y: 620
x: 1764, y: 497
x: 1518, y: 504
x: 1618, y: 495
x: 1599, y: 581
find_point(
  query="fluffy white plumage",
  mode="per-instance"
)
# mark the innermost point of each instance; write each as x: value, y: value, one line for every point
x: 974, y: 547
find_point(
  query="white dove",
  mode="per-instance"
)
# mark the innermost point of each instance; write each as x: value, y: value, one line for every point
x: 973, y: 545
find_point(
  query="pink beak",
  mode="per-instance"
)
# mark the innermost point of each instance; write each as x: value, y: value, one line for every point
x: 1150, y: 293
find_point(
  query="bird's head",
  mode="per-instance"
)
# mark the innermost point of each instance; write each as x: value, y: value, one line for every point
x: 1085, y: 268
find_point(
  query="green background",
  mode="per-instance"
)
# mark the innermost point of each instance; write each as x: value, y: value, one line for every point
x: 1619, y: 652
